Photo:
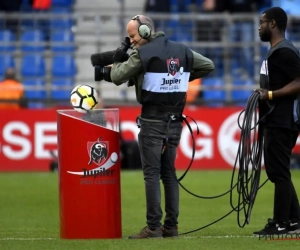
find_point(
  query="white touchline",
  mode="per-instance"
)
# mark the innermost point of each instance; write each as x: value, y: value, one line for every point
x: 28, y: 239
x: 184, y: 237
x: 110, y: 162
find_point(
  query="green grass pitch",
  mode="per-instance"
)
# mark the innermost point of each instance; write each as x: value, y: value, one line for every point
x: 29, y: 218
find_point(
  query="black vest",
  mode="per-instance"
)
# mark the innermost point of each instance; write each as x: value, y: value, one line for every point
x: 167, y: 66
x: 267, y: 107
x: 264, y: 75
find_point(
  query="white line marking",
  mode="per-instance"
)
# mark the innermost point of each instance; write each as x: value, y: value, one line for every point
x: 183, y: 237
x: 219, y: 237
x: 27, y: 239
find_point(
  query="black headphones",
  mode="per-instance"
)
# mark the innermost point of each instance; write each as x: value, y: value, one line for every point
x: 144, y: 29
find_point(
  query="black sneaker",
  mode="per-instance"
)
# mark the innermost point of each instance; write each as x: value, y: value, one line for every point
x: 272, y: 227
x: 294, y: 226
x: 170, y: 232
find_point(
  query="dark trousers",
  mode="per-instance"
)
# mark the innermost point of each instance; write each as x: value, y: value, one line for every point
x: 158, y: 166
x: 278, y: 145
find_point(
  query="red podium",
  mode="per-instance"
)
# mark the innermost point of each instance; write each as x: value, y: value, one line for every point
x: 89, y: 174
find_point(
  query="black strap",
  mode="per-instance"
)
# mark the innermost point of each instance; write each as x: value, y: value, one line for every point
x: 184, y: 118
x: 165, y: 143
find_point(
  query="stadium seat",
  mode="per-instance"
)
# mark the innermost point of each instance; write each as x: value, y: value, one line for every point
x: 26, y: 6
x: 235, y: 69
x: 61, y: 88
x: 6, y: 41
x: 181, y: 31
x: 36, y: 105
x: 263, y: 52
x: 63, y: 66
x: 35, y: 89
x: 62, y: 41
x: 6, y: 61
x: 182, y: 6
x: 240, y: 96
x: 62, y: 2
x: 216, y: 55
x: 62, y: 20
x: 211, y: 94
x: 32, y: 41
x: 33, y: 65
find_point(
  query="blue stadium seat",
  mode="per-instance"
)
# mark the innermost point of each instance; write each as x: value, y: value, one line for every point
x: 216, y: 55
x: 181, y: 31
x: 213, y: 96
x: 6, y: 40
x: 36, y: 105
x: 6, y: 61
x: 235, y: 69
x: 35, y: 89
x: 26, y: 6
x: 64, y: 40
x: 62, y: 2
x: 32, y: 41
x: 61, y: 21
x: 182, y: 6
x: 33, y: 65
x: 263, y: 51
x: 240, y: 96
x: 61, y: 88
x: 63, y: 66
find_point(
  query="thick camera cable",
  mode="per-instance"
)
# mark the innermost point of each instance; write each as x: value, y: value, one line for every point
x: 249, y: 153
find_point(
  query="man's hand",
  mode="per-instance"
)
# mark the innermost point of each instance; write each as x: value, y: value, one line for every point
x: 120, y: 54
x: 263, y: 94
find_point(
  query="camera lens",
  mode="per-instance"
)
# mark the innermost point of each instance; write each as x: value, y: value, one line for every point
x: 99, y: 73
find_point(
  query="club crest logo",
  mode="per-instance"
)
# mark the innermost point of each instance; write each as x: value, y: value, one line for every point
x: 173, y: 66
x: 98, y: 152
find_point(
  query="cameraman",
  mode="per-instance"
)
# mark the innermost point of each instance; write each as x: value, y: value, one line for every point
x: 160, y: 71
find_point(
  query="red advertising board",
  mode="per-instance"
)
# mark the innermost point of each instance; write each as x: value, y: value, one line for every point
x: 27, y: 136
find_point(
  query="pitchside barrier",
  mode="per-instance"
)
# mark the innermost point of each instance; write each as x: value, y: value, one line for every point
x: 89, y: 174
x: 28, y: 136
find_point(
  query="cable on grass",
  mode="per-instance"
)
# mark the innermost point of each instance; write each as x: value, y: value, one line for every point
x: 246, y: 169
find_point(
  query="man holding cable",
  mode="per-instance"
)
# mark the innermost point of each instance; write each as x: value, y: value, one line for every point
x: 280, y: 85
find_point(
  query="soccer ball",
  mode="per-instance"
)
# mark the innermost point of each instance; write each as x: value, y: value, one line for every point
x: 84, y: 98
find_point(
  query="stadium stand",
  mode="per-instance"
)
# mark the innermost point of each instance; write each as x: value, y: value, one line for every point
x: 63, y: 66
x: 33, y: 41
x: 62, y: 3
x: 64, y: 22
x: 62, y: 41
x: 36, y: 93
x: 54, y: 46
x: 213, y: 93
x: 240, y: 96
x: 6, y: 61
x: 33, y: 66
x: 61, y: 88
x: 6, y: 41
x: 36, y: 89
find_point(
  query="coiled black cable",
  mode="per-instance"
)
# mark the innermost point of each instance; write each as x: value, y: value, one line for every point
x: 247, y: 167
